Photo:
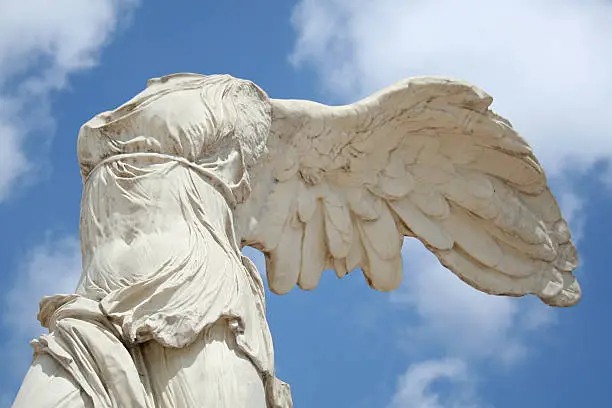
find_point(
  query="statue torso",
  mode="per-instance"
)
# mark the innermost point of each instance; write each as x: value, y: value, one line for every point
x: 140, y: 212
x: 157, y: 229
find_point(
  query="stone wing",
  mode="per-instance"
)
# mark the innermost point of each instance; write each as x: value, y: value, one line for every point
x: 425, y: 158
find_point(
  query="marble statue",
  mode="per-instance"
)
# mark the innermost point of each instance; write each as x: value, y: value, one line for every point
x: 168, y: 313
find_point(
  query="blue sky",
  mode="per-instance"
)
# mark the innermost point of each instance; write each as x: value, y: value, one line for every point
x: 435, y: 343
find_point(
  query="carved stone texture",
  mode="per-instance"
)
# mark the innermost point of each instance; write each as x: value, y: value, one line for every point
x: 168, y: 313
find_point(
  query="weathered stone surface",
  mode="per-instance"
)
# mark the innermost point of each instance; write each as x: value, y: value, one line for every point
x: 168, y: 313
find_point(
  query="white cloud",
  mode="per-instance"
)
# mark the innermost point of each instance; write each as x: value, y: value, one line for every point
x: 414, y: 389
x: 573, y: 206
x: 51, y: 268
x: 13, y: 162
x: 546, y: 62
x: 41, y: 44
x: 548, y: 66
x: 460, y: 320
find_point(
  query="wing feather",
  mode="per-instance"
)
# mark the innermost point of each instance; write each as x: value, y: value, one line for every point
x: 284, y: 263
x: 382, y: 235
x: 364, y: 204
x: 431, y: 203
x: 381, y: 274
x: 473, y: 239
x: 427, y: 158
x: 356, y: 256
x: 314, y: 250
x: 338, y: 225
x: 306, y: 202
x: 421, y: 225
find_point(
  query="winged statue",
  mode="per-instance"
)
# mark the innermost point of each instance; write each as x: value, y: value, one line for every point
x: 169, y: 313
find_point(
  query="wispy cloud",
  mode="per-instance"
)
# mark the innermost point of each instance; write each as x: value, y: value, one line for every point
x: 51, y: 268
x: 573, y: 204
x: 546, y: 62
x: 41, y: 44
x: 461, y: 321
x: 414, y: 389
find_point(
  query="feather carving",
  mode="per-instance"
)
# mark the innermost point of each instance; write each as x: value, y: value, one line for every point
x: 425, y: 157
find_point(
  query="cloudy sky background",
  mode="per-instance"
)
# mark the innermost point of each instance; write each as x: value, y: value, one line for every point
x: 435, y: 343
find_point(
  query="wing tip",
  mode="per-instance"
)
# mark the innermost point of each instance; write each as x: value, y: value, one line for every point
x: 383, y: 285
x: 570, y: 295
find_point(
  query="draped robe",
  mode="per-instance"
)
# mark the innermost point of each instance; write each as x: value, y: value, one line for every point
x: 168, y: 312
